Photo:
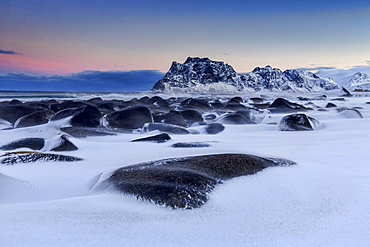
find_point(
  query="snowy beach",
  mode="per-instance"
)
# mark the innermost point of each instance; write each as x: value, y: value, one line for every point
x: 323, y: 200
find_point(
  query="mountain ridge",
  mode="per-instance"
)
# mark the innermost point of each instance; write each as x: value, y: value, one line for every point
x: 205, y: 75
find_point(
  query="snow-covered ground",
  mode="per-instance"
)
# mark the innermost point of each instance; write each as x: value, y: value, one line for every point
x: 322, y: 201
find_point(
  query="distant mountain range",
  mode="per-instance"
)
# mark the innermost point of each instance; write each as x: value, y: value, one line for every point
x: 207, y: 76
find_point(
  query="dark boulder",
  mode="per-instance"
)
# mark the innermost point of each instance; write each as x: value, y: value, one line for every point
x: 216, y: 104
x: 183, y: 182
x: 106, y: 106
x: 39, y: 106
x: 31, y: 143
x: 191, y: 116
x: 130, y: 118
x: 338, y: 99
x: 163, y: 127
x: 36, y: 118
x: 89, y: 116
x: 81, y: 132
x: 281, y: 105
x: 235, y: 100
x: 190, y: 145
x: 160, y: 138
x: 15, y: 102
x: 346, y: 92
x: 173, y: 117
x: 12, y: 113
x: 235, y: 106
x: 234, y: 118
x: 63, y: 144
x: 214, y: 128
x: 297, y: 122
x: 66, y: 104
x: 199, y: 104
x: 157, y: 101
x: 94, y: 101
x: 29, y: 157
x: 331, y: 105
x: 65, y: 113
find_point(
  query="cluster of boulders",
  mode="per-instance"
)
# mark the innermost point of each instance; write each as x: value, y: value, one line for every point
x: 176, y: 183
x: 175, y: 115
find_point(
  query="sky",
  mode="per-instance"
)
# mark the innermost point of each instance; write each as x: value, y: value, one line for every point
x: 51, y: 37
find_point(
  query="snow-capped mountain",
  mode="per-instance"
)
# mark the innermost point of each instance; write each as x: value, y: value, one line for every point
x: 205, y: 75
x: 352, y: 79
x: 200, y: 75
x: 273, y: 79
x: 359, y: 81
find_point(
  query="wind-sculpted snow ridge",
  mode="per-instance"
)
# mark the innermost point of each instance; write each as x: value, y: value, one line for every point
x: 207, y: 76
x: 183, y: 182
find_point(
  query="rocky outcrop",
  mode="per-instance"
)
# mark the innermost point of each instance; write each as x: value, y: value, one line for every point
x: 298, y: 122
x: 202, y: 75
x: 183, y: 182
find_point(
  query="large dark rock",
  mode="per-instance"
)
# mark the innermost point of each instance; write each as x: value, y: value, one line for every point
x: 31, y: 143
x: 62, y: 143
x: 81, y: 132
x: 297, y: 122
x: 235, y: 119
x: 89, y: 116
x: 94, y: 101
x: 130, y: 118
x: 158, y: 101
x: 331, y: 105
x: 173, y: 117
x: 198, y: 104
x: 22, y: 157
x: 67, y: 104
x: 235, y: 106
x: 106, y: 106
x: 191, y: 145
x: 167, y: 128
x: 216, y: 104
x: 69, y: 112
x: 160, y: 138
x: 36, y: 118
x: 184, y: 182
x: 214, y: 128
x: 12, y: 113
x: 281, y: 105
x: 191, y: 116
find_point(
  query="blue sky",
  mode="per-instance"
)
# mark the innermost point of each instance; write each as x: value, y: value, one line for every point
x: 50, y: 37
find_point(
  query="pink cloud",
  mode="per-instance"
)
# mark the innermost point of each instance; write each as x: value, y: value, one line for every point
x: 23, y: 63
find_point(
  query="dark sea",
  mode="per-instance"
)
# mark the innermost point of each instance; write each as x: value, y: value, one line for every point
x: 48, y: 95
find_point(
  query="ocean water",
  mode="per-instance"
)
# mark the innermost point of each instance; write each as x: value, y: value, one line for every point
x: 47, y: 95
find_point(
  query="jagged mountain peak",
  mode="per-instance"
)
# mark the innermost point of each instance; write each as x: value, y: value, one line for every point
x: 197, y: 60
x: 204, y: 75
